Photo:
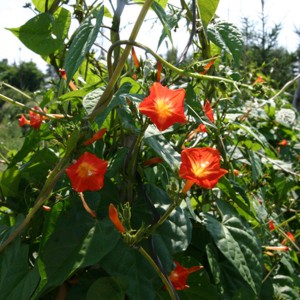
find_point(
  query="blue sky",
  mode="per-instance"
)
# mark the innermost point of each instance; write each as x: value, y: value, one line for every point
x: 12, y: 14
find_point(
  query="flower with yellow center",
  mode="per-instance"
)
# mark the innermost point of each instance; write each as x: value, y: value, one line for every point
x: 200, y: 166
x: 163, y: 106
x: 87, y: 173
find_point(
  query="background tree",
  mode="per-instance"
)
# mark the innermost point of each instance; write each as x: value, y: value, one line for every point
x: 262, y: 55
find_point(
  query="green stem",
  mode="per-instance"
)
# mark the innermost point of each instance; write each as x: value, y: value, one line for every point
x: 270, y: 272
x: 163, y: 218
x: 172, y: 67
x: 23, y: 106
x: 44, y: 195
x: 287, y: 221
x: 160, y: 274
x: 16, y: 90
x: 107, y: 94
x: 289, y: 83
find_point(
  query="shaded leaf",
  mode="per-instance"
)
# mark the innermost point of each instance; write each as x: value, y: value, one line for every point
x: 177, y: 230
x: 108, y: 287
x: 9, y: 182
x: 238, y: 243
x: 132, y: 269
x: 17, y: 279
x: 77, y: 241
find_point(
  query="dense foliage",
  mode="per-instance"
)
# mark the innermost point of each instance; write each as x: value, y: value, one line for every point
x: 141, y: 178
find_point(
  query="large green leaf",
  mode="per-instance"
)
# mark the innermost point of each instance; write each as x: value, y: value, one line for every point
x: 17, y: 279
x: 62, y: 23
x: 176, y: 232
x: 39, y: 34
x: 77, y: 241
x: 238, y: 243
x: 82, y: 42
x: 133, y: 270
x: 207, y: 10
x: 227, y: 37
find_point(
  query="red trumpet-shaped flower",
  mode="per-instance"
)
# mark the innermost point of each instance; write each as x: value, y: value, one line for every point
x: 283, y: 143
x: 179, y: 276
x: 200, y: 166
x: 208, y: 111
x: 23, y: 121
x: 290, y: 237
x: 114, y: 217
x: 35, y: 118
x: 87, y: 173
x: 164, y: 106
x: 97, y: 136
x: 159, y: 69
x: 135, y: 59
x: 271, y: 225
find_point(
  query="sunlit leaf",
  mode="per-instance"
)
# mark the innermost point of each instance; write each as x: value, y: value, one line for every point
x: 162, y: 147
x: 82, y: 42
x: 207, y: 10
x: 38, y: 34
x: 227, y: 37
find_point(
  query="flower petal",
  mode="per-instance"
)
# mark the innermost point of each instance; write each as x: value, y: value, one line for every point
x: 87, y: 173
x: 163, y: 106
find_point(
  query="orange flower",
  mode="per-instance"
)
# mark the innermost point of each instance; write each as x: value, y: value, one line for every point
x: 208, y: 65
x: 159, y: 69
x: 152, y: 161
x: 114, y: 217
x: 271, y: 225
x: 208, y: 111
x: 63, y: 73
x: 23, y: 121
x: 36, y: 119
x: 179, y: 276
x: 163, y: 106
x: 283, y: 143
x: 290, y: 237
x: 135, y: 59
x: 97, y: 136
x: 87, y: 173
x: 236, y: 172
x: 200, y: 128
x: 200, y: 166
x: 259, y: 80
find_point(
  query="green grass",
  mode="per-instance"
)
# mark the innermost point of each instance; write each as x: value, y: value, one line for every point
x: 11, y: 140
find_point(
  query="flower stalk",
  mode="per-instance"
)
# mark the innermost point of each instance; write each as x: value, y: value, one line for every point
x: 165, y: 280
